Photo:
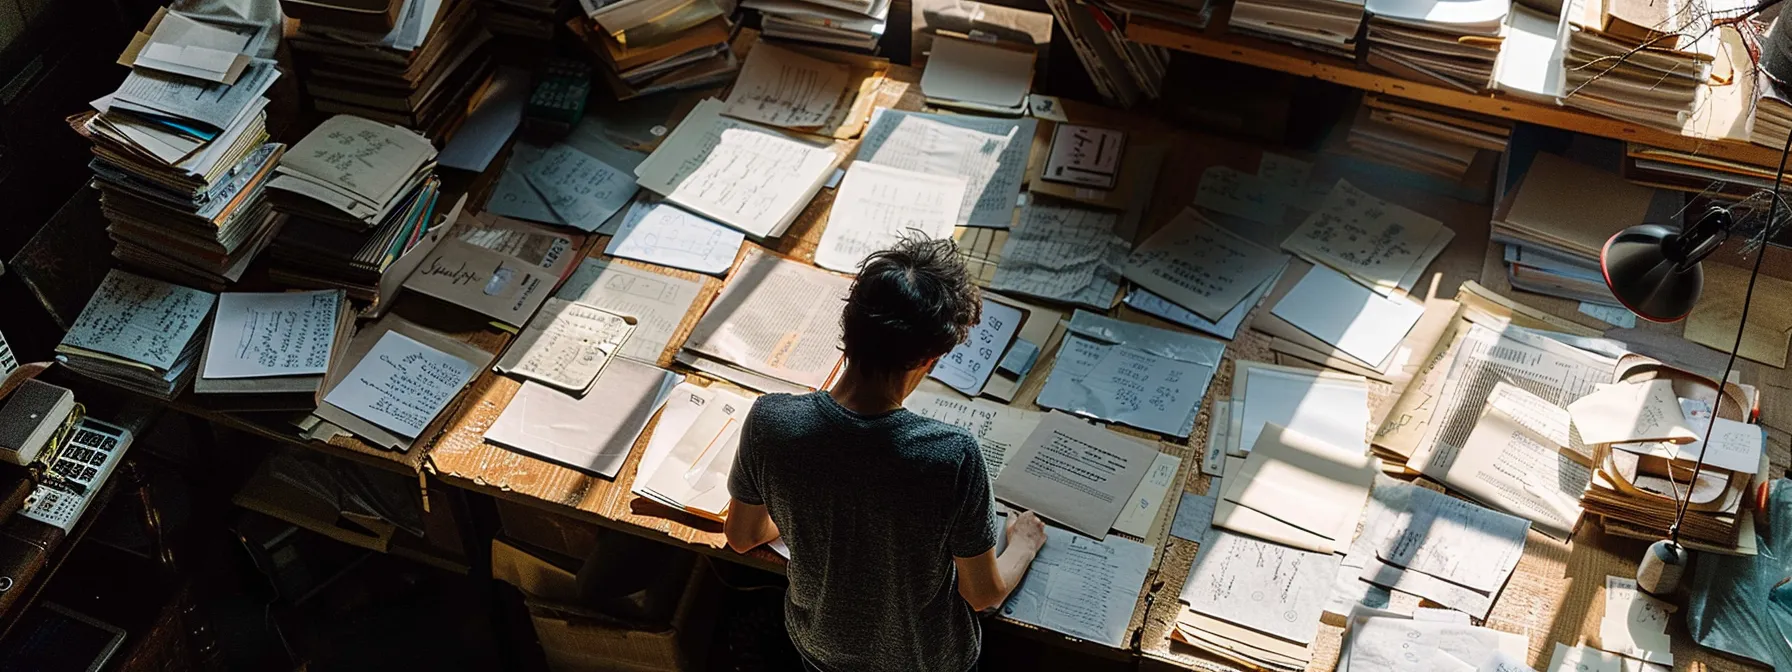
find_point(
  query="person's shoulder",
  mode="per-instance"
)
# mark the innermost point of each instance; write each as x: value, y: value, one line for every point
x: 944, y: 440
x: 778, y: 410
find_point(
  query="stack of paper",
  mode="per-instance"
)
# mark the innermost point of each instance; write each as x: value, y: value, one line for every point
x: 691, y: 450
x: 1448, y: 551
x: 419, y: 75
x: 1455, y: 43
x: 593, y: 433
x: 181, y: 152
x: 643, y: 53
x: 1323, y: 25
x: 1772, y: 120
x: 856, y: 24
x: 1558, y: 220
x: 1297, y: 491
x: 271, y: 350
x: 358, y: 193
x: 395, y: 380
x: 1379, y: 244
x: 1146, y: 377
x: 1646, y: 441
x: 1255, y: 602
x: 1429, y: 641
x: 989, y: 77
x: 138, y: 333
x: 1617, y: 73
x: 774, y: 328
x: 741, y: 174
x: 1427, y: 139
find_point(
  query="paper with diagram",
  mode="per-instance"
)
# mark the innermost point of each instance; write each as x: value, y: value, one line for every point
x: 1133, y: 374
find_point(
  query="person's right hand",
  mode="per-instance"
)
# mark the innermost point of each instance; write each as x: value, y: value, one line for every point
x: 1026, y: 530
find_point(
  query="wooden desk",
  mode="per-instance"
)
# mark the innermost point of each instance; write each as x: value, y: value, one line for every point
x: 1713, y: 135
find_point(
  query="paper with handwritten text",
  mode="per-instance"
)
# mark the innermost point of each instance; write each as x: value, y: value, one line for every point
x: 967, y: 367
x: 401, y: 385
x: 273, y: 334
x: 780, y: 87
x: 139, y: 319
x: 1375, y: 242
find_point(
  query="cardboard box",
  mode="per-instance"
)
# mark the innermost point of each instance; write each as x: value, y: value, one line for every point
x: 547, y: 531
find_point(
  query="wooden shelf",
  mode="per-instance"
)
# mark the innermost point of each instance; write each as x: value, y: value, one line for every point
x: 1709, y: 135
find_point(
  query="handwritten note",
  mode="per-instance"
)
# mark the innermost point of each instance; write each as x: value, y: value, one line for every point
x: 273, y: 334
x: 366, y: 158
x: 401, y: 385
x: 1146, y: 390
x: 1200, y: 266
x: 581, y: 190
x: 498, y: 285
x: 1733, y: 445
x: 1260, y: 585
x: 998, y: 427
x: 1228, y: 191
x: 1063, y: 253
x: 781, y: 87
x: 139, y: 319
x: 658, y: 302
x: 668, y: 235
x: 749, y: 177
x: 968, y: 366
x: 1142, y: 376
x: 989, y: 154
x: 1375, y: 242
x: 879, y: 205
x: 1085, y: 155
x: 566, y: 345
x: 1082, y: 587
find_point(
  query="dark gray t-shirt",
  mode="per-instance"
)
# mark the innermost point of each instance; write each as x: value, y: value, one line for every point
x: 873, y: 508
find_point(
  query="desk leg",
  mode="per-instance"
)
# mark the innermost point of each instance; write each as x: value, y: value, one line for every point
x: 479, y: 525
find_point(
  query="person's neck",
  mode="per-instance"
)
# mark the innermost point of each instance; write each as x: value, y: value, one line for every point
x: 872, y: 395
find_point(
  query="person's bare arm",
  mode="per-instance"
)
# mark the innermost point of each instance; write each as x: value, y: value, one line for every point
x: 748, y: 526
x: 986, y: 580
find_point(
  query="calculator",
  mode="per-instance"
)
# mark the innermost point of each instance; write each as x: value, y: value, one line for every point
x: 558, y: 101
x: 84, y: 463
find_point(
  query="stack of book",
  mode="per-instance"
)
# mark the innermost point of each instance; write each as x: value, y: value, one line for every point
x: 527, y: 20
x: 1557, y: 220
x: 1610, y: 72
x: 855, y: 24
x: 358, y: 194
x: 1772, y: 120
x: 686, y: 49
x: 1186, y: 13
x: 1324, y: 25
x: 420, y: 74
x: 181, y: 150
x: 138, y: 333
x: 1454, y: 43
x: 1427, y: 138
x: 1125, y: 72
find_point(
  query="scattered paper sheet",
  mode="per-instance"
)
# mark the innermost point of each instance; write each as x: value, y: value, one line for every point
x: 693, y: 475
x: 1194, y: 514
x: 1375, y: 242
x: 1082, y: 587
x: 683, y: 404
x: 1510, y: 467
x: 1251, y: 197
x: 513, y: 196
x: 1347, y: 315
x: 257, y: 335
x: 1296, y: 490
x: 749, y: 177
x: 776, y: 318
x: 1612, y: 315
x: 1733, y: 445
x: 1330, y: 407
x: 1141, y: 509
x: 878, y: 205
x: 489, y: 125
x: 1075, y: 473
x: 989, y: 154
x: 1284, y: 174
x: 1635, y: 623
x: 1200, y: 266
x: 667, y: 235
x: 500, y: 286
x: 593, y: 434
x: 1063, y: 253
x: 1582, y: 659
x: 657, y: 302
x: 1623, y: 412
x: 1385, y: 641
x: 401, y: 384
x: 577, y: 186
x: 968, y: 366
x: 780, y: 87
x: 983, y: 76
x: 998, y: 428
x: 1150, y: 378
x: 1226, y: 327
x: 139, y: 319
x: 1455, y: 540
x: 1259, y: 585
x: 567, y: 345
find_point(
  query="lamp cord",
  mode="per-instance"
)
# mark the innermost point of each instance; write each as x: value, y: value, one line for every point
x: 1698, y: 468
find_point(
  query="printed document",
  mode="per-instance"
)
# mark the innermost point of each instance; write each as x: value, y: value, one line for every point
x: 1142, y: 376
x: 1075, y: 473
x: 139, y: 319
x: 1082, y: 587
x: 658, y: 302
x: 665, y: 234
x: 1063, y: 253
x: 967, y: 367
x: 593, y: 434
x: 1455, y: 540
x: 401, y: 384
x: 1511, y: 467
x: 257, y: 335
x: 1200, y: 266
x: 998, y: 427
x: 749, y: 177
x: 567, y: 345
x: 780, y: 87
x: 1263, y: 586
x: 1381, y: 245
x: 877, y: 206
x: 989, y: 154
x: 776, y: 318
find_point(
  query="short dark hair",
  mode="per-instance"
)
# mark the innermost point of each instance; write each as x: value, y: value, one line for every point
x: 912, y: 302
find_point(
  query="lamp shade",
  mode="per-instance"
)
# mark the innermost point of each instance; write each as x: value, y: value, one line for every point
x: 1642, y: 269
